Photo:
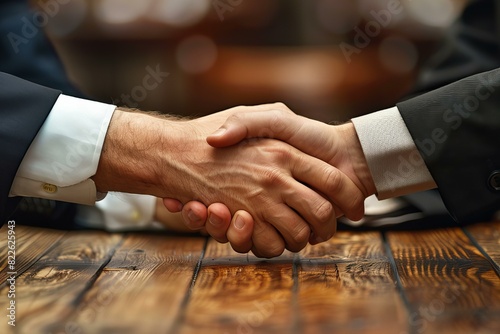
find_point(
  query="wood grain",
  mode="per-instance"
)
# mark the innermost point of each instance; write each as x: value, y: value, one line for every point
x: 239, y: 293
x: 447, y: 282
x: 142, y: 288
x: 346, y: 285
x: 94, y: 282
x: 47, y: 292
x: 31, y: 244
x: 487, y: 236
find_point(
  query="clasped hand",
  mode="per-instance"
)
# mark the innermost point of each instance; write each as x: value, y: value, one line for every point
x: 281, y: 193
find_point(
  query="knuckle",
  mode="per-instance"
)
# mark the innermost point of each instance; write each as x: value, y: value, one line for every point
x: 333, y: 180
x: 324, y: 212
x: 283, y: 155
x: 234, y: 118
x: 273, y: 177
x: 280, y: 106
x: 299, y: 239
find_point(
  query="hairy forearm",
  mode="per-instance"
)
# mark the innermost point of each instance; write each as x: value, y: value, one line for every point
x: 129, y: 160
x: 147, y: 153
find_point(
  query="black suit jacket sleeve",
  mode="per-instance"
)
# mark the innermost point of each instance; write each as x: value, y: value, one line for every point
x: 457, y: 130
x: 24, y: 107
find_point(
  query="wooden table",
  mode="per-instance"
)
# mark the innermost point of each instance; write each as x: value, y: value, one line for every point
x: 427, y: 281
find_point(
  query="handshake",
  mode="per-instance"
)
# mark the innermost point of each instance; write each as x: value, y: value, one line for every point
x: 262, y: 178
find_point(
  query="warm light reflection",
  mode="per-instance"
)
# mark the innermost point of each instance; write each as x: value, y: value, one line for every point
x: 179, y: 13
x: 121, y: 11
x: 433, y: 13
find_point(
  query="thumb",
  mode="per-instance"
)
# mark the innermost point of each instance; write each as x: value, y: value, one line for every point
x: 270, y: 124
x: 228, y: 134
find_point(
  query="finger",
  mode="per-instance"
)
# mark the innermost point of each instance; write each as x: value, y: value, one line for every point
x: 266, y: 241
x: 240, y: 232
x: 219, y: 220
x: 195, y: 215
x: 331, y: 182
x: 271, y: 123
x: 292, y: 227
x: 172, y: 205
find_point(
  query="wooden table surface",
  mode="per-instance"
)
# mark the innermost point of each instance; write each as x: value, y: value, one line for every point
x: 426, y: 281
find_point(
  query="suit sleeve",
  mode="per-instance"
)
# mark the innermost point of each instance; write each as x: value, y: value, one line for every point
x: 24, y: 107
x: 457, y: 131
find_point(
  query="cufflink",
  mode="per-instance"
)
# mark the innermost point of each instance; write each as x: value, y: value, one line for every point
x: 494, y: 180
x: 49, y: 188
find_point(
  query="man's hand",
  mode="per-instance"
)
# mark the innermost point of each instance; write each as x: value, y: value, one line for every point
x: 337, y: 145
x: 215, y: 220
x: 283, y: 189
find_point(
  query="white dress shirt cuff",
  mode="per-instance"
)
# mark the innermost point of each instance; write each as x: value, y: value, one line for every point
x: 395, y: 163
x: 65, y: 153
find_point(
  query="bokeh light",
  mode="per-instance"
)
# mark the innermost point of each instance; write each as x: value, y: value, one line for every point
x: 121, y: 11
x: 179, y: 13
x: 196, y: 54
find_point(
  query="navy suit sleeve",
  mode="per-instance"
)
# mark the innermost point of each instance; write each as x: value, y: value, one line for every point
x: 457, y: 130
x: 24, y: 106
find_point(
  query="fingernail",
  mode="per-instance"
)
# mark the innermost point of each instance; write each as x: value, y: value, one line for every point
x: 219, y: 132
x: 239, y: 223
x: 215, y: 220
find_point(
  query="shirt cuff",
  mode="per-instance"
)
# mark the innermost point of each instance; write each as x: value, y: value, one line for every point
x: 65, y: 153
x: 396, y: 166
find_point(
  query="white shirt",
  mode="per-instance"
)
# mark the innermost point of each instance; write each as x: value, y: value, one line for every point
x: 65, y: 154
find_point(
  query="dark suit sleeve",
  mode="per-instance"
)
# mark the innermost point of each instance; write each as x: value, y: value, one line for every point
x: 457, y: 130
x: 24, y: 107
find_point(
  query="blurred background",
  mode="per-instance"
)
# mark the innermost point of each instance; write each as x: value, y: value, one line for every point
x: 326, y: 59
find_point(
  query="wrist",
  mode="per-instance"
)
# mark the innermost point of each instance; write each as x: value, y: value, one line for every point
x: 357, y: 158
x: 128, y: 162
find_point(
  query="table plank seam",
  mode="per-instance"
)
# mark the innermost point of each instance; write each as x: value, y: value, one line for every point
x: 473, y: 240
x: 80, y: 297
x: 297, y: 319
x: 399, y: 285
x: 181, y: 315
